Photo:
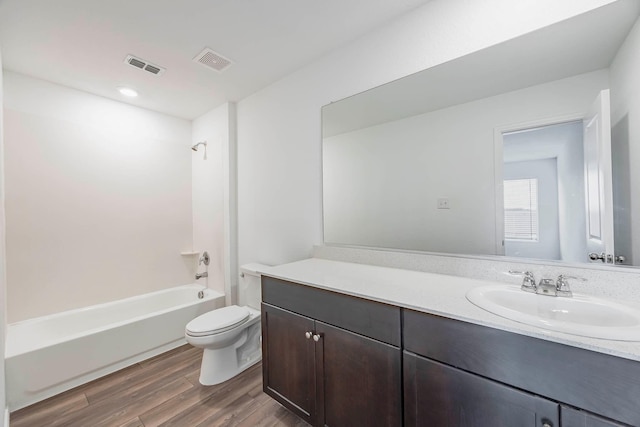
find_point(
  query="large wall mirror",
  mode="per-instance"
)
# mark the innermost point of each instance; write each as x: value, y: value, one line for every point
x: 524, y: 149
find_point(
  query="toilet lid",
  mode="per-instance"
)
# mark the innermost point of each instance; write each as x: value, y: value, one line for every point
x: 217, y: 321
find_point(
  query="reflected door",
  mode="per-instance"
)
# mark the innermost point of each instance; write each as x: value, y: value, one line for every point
x: 598, y: 185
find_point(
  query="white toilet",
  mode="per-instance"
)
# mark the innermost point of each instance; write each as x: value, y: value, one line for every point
x: 230, y: 336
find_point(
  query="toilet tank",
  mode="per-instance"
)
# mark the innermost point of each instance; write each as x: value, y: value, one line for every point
x: 249, y: 289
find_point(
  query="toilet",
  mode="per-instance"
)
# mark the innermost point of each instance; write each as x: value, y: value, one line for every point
x: 230, y: 336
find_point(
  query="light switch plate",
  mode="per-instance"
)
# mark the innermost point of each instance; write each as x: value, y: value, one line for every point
x: 443, y: 203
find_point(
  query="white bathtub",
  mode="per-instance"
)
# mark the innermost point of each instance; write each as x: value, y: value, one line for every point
x: 54, y: 353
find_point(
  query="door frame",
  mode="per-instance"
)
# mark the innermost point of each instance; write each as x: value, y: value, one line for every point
x: 498, y: 161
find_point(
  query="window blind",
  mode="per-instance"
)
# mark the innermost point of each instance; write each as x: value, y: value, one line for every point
x: 521, y: 209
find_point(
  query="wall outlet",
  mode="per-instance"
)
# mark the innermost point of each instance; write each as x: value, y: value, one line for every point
x: 443, y: 203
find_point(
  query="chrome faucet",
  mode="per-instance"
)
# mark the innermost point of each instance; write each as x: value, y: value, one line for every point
x: 201, y: 275
x: 549, y: 287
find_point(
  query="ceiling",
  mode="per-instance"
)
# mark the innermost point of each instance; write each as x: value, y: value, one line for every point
x: 83, y: 43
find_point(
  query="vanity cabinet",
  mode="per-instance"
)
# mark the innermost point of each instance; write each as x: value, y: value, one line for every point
x: 289, y: 361
x: 440, y: 395
x: 507, y: 369
x: 332, y: 359
x: 338, y: 360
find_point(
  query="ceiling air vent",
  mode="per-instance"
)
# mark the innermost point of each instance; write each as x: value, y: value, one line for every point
x: 143, y: 65
x: 213, y: 60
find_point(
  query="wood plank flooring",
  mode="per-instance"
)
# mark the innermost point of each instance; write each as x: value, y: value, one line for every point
x: 162, y: 391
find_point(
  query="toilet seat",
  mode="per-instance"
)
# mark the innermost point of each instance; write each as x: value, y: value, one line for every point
x: 218, y: 321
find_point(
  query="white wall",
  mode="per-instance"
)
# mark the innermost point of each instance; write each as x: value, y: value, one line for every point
x: 382, y: 183
x: 3, y: 283
x: 279, y: 142
x: 625, y: 123
x: 98, y: 198
x: 211, y: 192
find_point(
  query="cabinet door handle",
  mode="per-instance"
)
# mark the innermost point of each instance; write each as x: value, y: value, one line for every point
x: 316, y: 337
x: 308, y: 335
x: 547, y: 424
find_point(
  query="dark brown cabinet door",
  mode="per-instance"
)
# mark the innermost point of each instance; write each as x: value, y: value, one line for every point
x: 362, y: 380
x: 440, y: 395
x: 289, y: 361
x: 573, y: 418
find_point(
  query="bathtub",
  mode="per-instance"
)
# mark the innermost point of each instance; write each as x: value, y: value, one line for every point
x: 50, y: 354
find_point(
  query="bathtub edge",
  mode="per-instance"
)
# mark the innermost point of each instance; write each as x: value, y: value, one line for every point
x: 23, y: 391
x: 91, y: 376
x: 13, y: 348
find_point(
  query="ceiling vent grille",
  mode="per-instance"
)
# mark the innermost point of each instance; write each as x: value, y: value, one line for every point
x: 144, y: 65
x: 212, y: 60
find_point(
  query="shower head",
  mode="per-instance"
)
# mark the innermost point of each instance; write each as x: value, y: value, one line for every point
x: 195, y: 147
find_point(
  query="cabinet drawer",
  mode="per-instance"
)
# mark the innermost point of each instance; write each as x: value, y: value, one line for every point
x: 570, y: 417
x: 371, y: 319
x: 439, y: 395
x: 599, y: 383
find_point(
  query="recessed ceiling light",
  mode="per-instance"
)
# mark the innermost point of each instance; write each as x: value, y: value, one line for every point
x: 127, y: 91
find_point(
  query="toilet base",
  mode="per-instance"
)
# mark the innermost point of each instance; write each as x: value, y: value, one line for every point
x: 222, y: 364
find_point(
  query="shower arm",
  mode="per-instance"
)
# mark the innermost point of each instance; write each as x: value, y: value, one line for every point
x: 195, y: 148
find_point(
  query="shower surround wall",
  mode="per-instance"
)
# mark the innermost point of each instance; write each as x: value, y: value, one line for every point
x: 98, y: 199
x: 214, y: 195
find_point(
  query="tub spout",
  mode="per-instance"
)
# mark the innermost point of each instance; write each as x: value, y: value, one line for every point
x: 201, y: 275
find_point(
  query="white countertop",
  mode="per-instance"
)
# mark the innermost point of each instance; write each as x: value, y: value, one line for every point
x: 430, y: 293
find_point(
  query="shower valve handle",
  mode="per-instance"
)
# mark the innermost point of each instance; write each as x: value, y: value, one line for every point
x: 204, y: 258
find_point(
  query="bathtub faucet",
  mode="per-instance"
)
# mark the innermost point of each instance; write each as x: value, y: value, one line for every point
x: 201, y: 275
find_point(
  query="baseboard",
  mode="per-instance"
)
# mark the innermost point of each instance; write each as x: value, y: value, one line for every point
x: 6, y: 417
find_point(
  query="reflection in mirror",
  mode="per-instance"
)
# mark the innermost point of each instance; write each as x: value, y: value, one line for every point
x: 543, y: 192
x: 438, y: 161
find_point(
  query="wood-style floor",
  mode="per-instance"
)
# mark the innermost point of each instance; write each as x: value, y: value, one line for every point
x: 162, y: 391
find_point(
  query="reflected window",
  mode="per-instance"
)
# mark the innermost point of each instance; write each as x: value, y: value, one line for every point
x: 521, y: 209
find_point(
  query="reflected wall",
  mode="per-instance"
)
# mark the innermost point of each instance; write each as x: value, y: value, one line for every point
x: 382, y: 183
x: 416, y: 164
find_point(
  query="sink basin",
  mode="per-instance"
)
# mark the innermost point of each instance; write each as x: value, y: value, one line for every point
x: 580, y: 315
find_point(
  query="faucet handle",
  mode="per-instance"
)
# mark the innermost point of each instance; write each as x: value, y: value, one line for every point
x: 528, y: 280
x: 562, y: 284
x: 204, y: 258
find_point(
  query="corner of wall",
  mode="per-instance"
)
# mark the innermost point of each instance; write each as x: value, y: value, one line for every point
x: 214, y: 197
x: 230, y: 166
x: 4, y: 421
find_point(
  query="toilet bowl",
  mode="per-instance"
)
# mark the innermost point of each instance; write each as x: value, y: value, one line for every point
x: 230, y: 336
